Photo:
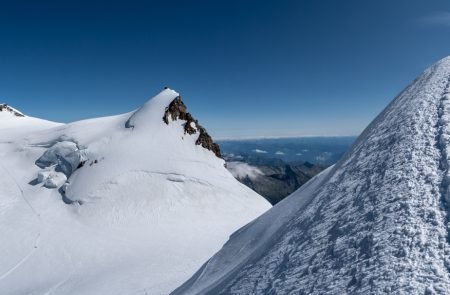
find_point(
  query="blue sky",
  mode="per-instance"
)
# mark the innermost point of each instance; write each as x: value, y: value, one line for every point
x: 244, y: 68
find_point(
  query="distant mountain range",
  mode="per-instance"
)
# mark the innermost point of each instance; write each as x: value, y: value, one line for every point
x: 275, y: 168
x: 324, y: 151
x: 273, y: 181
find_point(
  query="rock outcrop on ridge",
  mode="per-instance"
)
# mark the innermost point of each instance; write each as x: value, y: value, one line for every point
x: 177, y: 110
x: 6, y: 108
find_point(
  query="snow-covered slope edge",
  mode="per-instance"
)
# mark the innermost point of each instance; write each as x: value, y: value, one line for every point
x: 377, y: 223
x: 14, y: 124
x: 128, y: 204
x: 255, y: 237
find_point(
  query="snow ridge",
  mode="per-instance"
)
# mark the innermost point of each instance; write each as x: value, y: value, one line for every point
x: 443, y: 144
x: 6, y: 108
x: 378, y: 222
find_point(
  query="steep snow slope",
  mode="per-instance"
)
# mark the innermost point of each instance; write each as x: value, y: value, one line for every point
x: 103, y: 206
x: 376, y: 223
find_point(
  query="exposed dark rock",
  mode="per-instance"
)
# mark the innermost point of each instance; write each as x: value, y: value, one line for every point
x: 177, y: 111
x: 206, y: 141
x: 81, y: 164
x: 5, y: 108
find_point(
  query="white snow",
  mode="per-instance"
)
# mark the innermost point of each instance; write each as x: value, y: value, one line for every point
x: 51, y: 178
x: 251, y: 240
x: 13, y: 127
x: 376, y: 223
x: 8, y: 109
x: 146, y: 209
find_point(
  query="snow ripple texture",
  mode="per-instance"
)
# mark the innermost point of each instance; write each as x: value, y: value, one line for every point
x: 378, y: 224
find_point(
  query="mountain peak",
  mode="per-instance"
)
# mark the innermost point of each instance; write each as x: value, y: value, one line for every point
x: 4, y: 108
x: 150, y: 112
x: 131, y: 199
x: 168, y: 107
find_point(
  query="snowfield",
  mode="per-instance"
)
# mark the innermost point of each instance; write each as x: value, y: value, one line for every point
x: 119, y: 205
x: 375, y: 223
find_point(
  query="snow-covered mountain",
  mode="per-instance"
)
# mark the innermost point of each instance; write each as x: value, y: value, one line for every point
x: 375, y: 223
x: 14, y: 124
x: 128, y: 204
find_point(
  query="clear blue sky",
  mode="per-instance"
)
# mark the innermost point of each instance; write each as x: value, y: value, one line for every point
x: 244, y: 68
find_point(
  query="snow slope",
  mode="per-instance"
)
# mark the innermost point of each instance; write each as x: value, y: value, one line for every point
x: 14, y: 124
x: 376, y: 223
x: 94, y: 207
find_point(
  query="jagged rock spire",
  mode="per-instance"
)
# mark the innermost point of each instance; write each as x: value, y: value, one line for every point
x: 177, y: 110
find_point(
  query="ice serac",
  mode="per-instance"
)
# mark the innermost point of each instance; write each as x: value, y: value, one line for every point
x: 126, y: 204
x: 376, y: 223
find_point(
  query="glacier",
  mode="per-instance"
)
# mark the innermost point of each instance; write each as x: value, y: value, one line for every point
x: 94, y: 207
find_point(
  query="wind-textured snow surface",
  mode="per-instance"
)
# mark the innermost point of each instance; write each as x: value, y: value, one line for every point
x: 377, y: 222
x: 118, y: 205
